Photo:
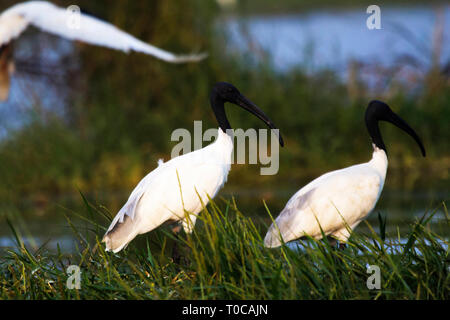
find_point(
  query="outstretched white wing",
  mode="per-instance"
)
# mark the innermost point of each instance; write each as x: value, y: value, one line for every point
x: 85, y: 28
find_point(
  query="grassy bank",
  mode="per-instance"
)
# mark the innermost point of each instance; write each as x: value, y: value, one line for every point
x: 224, y: 259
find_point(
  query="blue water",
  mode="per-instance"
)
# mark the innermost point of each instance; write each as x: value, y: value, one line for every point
x: 41, y: 61
x: 331, y: 38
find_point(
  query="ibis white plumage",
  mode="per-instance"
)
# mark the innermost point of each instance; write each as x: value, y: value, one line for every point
x: 177, y: 190
x: 336, y: 202
x: 50, y: 18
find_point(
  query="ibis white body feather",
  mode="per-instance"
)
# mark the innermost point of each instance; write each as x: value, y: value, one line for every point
x: 50, y: 18
x: 183, y: 183
x: 334, y: 203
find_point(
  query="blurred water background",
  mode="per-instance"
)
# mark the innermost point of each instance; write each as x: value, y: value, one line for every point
x: 87, y: 119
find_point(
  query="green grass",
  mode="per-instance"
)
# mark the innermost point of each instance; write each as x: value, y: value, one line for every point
x: 225, y: 259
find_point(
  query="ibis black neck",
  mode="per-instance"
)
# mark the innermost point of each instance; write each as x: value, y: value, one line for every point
x: 374, y: 132
x: 218, y: 106
x: 226, y: 92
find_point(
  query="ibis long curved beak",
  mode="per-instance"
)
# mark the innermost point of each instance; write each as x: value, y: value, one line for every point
x: 246, y: 104
x: 400, y: 123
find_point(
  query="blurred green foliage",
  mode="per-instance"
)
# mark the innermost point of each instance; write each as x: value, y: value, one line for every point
x: 284, y: 6
x: 124, y: 108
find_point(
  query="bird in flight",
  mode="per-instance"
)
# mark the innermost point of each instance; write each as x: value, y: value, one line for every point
x: 59, y: 21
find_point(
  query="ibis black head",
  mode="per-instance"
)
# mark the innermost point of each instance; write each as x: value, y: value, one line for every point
x: 380, y: 111
x: 225, y: 92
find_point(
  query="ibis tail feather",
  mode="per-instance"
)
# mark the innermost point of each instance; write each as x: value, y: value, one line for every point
x: 120, y: 235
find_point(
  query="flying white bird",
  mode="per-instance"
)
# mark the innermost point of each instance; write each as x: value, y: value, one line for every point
x: 62, y: 22
x: 338, y: 201
x: 177, y: 190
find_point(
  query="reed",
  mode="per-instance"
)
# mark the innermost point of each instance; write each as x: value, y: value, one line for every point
x: 224, y: 258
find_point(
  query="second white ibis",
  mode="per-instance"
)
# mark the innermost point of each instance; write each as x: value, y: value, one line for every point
x: 50, y: 18
x: 338, y: 201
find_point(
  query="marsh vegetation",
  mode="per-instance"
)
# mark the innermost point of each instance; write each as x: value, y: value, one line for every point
x: 94, y: 121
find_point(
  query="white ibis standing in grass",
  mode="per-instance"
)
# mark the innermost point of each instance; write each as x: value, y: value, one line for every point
x: 86, y: 28
x: 177, y: 190
x: 338, y: 201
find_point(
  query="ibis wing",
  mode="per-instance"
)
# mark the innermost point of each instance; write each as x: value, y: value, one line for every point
x: 11, y: 27
x: 330, y: 203
x: 89, y: 29
x: 129, y: 207
x: 285, y: 225
x: 158, y: 194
